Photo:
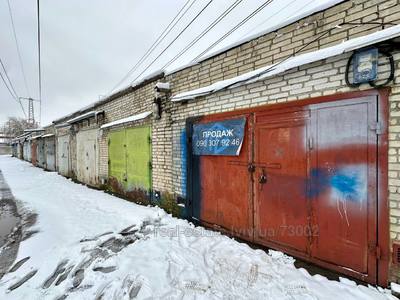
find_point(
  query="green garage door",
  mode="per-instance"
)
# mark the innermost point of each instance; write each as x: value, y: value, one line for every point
x: 129, y: 153
x: 138, y: 158
x: 117, y: 160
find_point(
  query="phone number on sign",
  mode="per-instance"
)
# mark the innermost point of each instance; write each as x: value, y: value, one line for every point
x: 218, y: 143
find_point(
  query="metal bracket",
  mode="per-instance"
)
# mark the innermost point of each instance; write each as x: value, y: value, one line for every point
x: 377, y: 127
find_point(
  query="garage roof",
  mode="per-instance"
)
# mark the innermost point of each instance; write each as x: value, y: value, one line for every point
x: 290, y: 63
x: 137, y: 117
x: 84, y: 116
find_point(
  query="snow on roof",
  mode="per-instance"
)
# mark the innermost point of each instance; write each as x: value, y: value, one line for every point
x: 34, y: 129
x: 137, y: 117
x: 47, y: 135
x: 36, y: 137
x: 151, y: 77
x: 148, y: 77
x: 291, y: 63
x: 62, y: 125
x: 84, y: 116
x: 287, y: 21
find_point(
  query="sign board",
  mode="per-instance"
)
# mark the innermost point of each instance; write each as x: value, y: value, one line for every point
x: 218, y: 138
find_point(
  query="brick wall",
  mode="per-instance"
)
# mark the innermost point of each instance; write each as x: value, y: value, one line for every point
x: 321, y: 78
x: 324, y: 77
x: 275, y: 46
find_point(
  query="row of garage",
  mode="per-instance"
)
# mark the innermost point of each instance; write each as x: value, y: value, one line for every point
x: 76, y: 156
x: 292, y: 157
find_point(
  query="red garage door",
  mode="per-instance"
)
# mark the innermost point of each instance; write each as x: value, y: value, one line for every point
x: 305, y: 182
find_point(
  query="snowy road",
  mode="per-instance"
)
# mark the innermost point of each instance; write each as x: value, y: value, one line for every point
x: 91, y: 245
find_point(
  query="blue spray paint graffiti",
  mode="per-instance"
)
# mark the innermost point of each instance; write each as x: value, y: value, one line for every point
x: 184, y: 154
x: 346, y: 183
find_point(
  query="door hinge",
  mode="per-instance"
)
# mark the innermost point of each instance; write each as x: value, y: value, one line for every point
x: 377, y: 127
x: 150, y: 140
x: 310, y: 143
x: 150, y: 165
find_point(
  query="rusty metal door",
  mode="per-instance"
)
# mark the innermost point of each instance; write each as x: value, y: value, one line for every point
x: 50, y: 153
x: 280, y: 183
x: 86, y: 155
x: 222, y: 195
x: 344, y: 184
x: 34, y: 152
x: 305, y: 183
x: 63, y: 155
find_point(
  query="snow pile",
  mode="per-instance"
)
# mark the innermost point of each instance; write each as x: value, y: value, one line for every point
x: 91, y: 245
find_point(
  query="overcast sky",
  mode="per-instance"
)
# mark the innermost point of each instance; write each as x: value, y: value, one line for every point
x: 88, y: 46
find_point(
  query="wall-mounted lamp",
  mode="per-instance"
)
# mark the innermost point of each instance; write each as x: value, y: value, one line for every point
x: 157, y: 108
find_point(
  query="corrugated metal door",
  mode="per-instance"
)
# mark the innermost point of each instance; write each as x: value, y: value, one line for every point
x: 50, y: 153
x: 117, y: 160
x: 86, y: 142
x: 63, y: 155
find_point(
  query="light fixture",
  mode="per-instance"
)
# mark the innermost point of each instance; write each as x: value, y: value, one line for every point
x: 157, y: 108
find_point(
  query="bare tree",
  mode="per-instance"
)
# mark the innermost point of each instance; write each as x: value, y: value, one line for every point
x: 16, y: 126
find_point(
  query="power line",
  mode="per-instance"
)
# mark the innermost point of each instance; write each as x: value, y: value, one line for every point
x: 14, y: 93
x: 17, y: 45
x: 273, y: 66
x: 269, y: 19
x: 203, y: 33
x: 166, y: 48
x: 10, y: 87
x: 39, y: 62
x: 245, y: 20
x: 160, y: 38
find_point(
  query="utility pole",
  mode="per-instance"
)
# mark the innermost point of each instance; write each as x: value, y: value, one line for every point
x: 31, y: 115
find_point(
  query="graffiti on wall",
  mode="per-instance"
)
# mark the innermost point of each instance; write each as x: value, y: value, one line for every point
x: 345, y: 184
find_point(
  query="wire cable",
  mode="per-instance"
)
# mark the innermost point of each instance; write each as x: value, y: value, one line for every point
x: 276, y: 14
x: 203, y: 33
x: 39, y: 62
x: 169, y: 45
x: 14, y: 93
x: 241, y: 23
x: 159, y: 40
x: 10, y: 87
x: 18, y: 49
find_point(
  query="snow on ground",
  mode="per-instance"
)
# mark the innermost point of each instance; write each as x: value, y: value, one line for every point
x: 81, y: 253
